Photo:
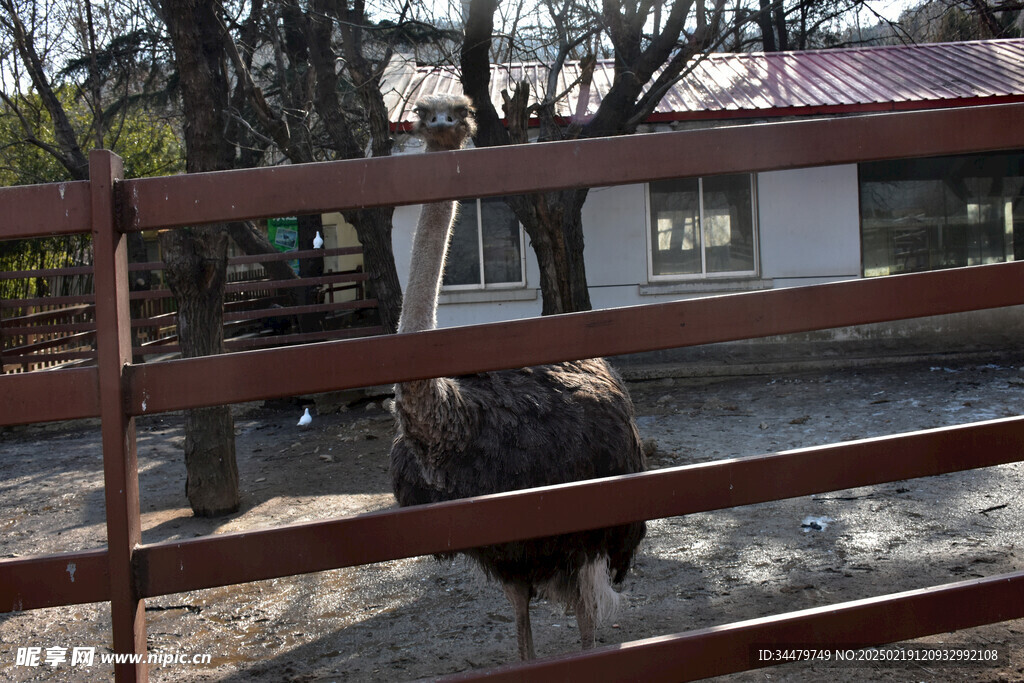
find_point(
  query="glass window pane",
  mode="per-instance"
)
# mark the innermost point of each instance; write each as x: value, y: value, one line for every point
x: 675, y: 227
x: 463, y: 264
x: 942, y: 212
x: 989, y: 218
x: 503, y: 261
x: 728, y: 224
x: 903, y: 227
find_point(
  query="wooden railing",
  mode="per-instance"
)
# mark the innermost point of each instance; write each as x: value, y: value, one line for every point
x: 50, y: 331
x: 127, y: 572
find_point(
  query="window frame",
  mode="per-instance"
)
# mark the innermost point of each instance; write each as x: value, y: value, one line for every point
x: 704, y: 274
x: 484, y: 285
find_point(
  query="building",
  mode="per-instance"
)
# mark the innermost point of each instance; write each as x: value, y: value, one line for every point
x: 698, y: 236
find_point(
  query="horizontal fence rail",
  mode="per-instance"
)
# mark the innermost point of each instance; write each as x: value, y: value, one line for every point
x: 238, y: 557
x: 216, y: 380
x: 150, y: 203
x: 27, y: 397
x: 387, y: 181
x: 230, y: 558
x: 456, y: 351
x: 53, y: 580
x: 39, y: 210
x: 732, y: 648
x: 178, y: 566
x: 128, y: 571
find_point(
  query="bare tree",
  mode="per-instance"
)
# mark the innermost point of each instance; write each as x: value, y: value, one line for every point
x: 653, y: 45
x: 646, y: 66
x: 255, y: 82
x: 955, y: 20
x: 50, y: 45
x: 311, y: 74
x: 66, y: 148
x: 268, y: 80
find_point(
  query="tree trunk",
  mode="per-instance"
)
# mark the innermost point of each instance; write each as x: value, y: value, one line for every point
x: 196, y: 272
x: 196, y: 258
x: 779, y: 14
x: 764, y: 21
x: 309, y: 226
x: 554, y: 222
x: 373, y: 227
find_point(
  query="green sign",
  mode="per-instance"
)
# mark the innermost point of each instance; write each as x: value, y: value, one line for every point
x: 283, y: 233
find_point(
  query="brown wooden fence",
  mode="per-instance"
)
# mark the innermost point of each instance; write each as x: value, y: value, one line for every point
x: 127, y: 572
x: 50, y: 331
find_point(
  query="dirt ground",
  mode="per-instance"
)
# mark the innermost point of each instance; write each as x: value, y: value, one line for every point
x: 418, y: 618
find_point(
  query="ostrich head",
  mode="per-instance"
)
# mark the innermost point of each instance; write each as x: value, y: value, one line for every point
x: 445, y: 121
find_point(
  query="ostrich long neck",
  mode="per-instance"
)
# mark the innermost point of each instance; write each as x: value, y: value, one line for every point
x: 419, y: 311
x: 423, y: 405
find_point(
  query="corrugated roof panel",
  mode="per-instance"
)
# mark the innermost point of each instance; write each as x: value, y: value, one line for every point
x: 769, y: 84
x: 930, y: 80
x: 675, y: 99
x: 703, y: 90
x: 707, y: 90
x: 852, y: 82
x: 795, y: 82
x: 1007, y: 54
x: 834, y: 88
x: 604, y: 77
x: 953, y: 78
x: 999, y: 67
x: 950, y: 77
x: 886, y: 86
x: 737, y: 86
x: 845, y: 83
x: 755, y: 82
x: 804, y: 77
x: 566, y: 107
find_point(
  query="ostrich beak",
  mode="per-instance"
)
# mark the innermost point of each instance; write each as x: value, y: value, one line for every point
x: 441, y: 120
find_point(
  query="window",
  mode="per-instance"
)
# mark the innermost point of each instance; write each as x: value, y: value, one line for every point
x: 941, y: 212
x: 486, y: 247
x: 702, y: 227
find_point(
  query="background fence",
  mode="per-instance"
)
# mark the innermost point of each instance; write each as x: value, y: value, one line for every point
x: 52, y: 331
x: 127, y: 572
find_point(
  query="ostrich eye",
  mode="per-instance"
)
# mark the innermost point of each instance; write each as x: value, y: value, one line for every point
x: 463, y: 112
x: 420, y: 112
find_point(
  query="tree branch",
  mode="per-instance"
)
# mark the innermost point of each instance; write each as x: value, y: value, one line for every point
x: 70, y: 155
x: 475, y: 61
x: 273, y: 122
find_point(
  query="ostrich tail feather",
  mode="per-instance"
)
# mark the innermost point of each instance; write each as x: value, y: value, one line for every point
x: 596, y: 590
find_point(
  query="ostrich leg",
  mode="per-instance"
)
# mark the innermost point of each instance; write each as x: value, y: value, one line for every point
x: 585, y: 620
x: 519, y: 595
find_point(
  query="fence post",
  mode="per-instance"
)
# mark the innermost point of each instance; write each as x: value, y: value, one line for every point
x: 120, y: 465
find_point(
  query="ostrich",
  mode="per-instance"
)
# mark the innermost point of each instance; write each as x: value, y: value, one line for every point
x: 514, y: 429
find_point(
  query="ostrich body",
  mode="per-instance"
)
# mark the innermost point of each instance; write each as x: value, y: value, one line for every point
x: 513, y: 429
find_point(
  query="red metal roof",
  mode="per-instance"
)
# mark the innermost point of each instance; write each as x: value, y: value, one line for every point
x: 772, y: 84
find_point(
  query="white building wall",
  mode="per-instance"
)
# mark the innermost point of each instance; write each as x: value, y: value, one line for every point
x: 809, y: 232
x: 810, y: 224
